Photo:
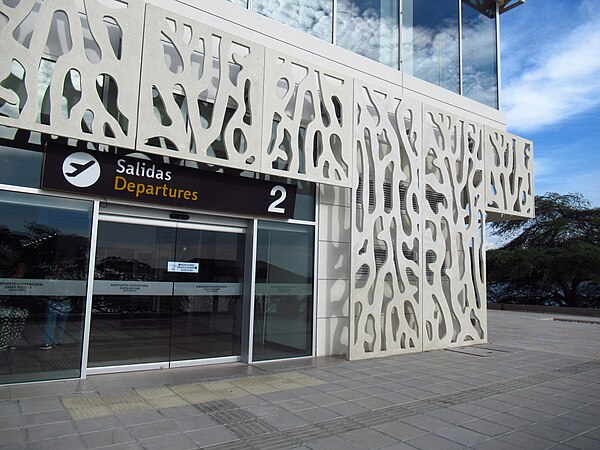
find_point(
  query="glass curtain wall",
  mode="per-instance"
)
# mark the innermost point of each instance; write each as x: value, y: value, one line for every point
x: 369, y: 28
x: 479, y: 56
x: 430, y: 41
x: 314, y: 17
x: 284, y: 291
x: 44, y: 252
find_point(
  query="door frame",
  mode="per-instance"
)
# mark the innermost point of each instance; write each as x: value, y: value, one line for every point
x: 153, y: 217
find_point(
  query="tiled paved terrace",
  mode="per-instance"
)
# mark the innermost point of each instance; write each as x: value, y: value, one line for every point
x: 535, y: 385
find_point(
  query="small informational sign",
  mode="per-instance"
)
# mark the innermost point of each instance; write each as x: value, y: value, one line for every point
x: 182, y: 267
x: 112, y: 287
x: 283, y: 289
x: 44, y: 288
x: 152, y: 182
x: 203, y: 289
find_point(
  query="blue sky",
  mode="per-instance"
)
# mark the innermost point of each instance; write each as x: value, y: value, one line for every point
x: 551, y: 90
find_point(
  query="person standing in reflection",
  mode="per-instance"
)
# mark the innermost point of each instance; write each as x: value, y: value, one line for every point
x: 58, y: 308
x: 20, y: 270
x: 13, y: 318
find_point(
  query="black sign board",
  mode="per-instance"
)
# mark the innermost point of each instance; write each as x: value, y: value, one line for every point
x: 141, y: 180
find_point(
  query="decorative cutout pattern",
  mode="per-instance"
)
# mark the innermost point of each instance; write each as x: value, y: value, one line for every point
x: 454, y: 300
x: 509, y: 175
x: 386, y: 309
x: 68, y: 71
x: 418, y: 175
x: 201, y: 93
x: 307, y: 122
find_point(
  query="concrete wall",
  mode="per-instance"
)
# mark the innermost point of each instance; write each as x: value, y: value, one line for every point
x: 333, y: 288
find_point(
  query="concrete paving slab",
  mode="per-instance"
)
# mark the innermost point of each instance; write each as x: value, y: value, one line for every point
x: 431, y: 441
x: 400, y: 430
x: 528, y: 389
x: 526, y: 441
x: 582, y: 443
x: 105, y: 438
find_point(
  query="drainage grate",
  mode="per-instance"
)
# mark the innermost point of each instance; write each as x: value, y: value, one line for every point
x: 275, y: 441
x: 251, y: 428
x: 308, y: 433
x: 340, y: 426
x: 231, y: 416
x: 235, y: 445
x: 476, y: 351
x: 216, y: 405
x: 370, y: 418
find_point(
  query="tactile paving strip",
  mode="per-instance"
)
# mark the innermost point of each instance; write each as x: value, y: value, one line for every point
x: 308, y: 433
x: 202, y: 393
x: 255, y: 433
x: 86, y: 407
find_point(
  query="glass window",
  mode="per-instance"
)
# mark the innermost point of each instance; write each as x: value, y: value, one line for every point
x: 20, y: 167
x: 44, y: 248
x: 284, y: 291
x: 313, y: 17
x: 243, y: 3
x: 480, y: 70
x: 305, y: 201
x: 369, y: 28
x: 430, y: 41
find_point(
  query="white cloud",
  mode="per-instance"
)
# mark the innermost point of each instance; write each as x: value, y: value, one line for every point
x: 562, y: 79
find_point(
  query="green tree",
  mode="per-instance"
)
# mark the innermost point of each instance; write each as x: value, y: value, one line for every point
x: 551, y: 258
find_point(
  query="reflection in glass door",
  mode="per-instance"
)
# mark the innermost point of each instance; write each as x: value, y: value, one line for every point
x: 163, y: 293
x: 132, y: 302
x: 207, y: 306
x: 283, y: 291
x: 44, y: 255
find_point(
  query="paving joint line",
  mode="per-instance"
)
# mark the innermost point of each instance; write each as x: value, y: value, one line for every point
x: 308, y: 433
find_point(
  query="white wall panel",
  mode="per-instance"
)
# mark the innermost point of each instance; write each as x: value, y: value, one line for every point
x: 454, y: 300
x: 334, y: 195
x: 334, y: 223
x: 334, y: 298
x: 201, y: 93
x: 71, y: 68
x: 307, y: 128
x: 334, y: 260
x: 332, y: 336
x: 386, y: 231
x: 508, y: 175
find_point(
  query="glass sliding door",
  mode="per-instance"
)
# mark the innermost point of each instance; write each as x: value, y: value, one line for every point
x: 283, y: 308
x: 44, y: 248
x: 165, y: 293
x: 207, y: 307
x: 132, y: 303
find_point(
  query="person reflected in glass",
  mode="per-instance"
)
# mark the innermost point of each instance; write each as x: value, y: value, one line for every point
x: 58, y: 308
x: 13, y: 317
x: 20, y: 270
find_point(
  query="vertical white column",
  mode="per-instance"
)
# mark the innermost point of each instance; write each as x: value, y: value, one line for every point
x: 90, y: 291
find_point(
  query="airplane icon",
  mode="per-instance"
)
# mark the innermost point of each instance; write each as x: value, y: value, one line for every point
x: 79, y: 168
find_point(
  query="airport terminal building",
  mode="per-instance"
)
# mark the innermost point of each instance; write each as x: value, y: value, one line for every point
x: 189, y: 182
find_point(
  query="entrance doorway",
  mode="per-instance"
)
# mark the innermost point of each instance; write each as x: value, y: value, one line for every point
x: 166, y: 293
